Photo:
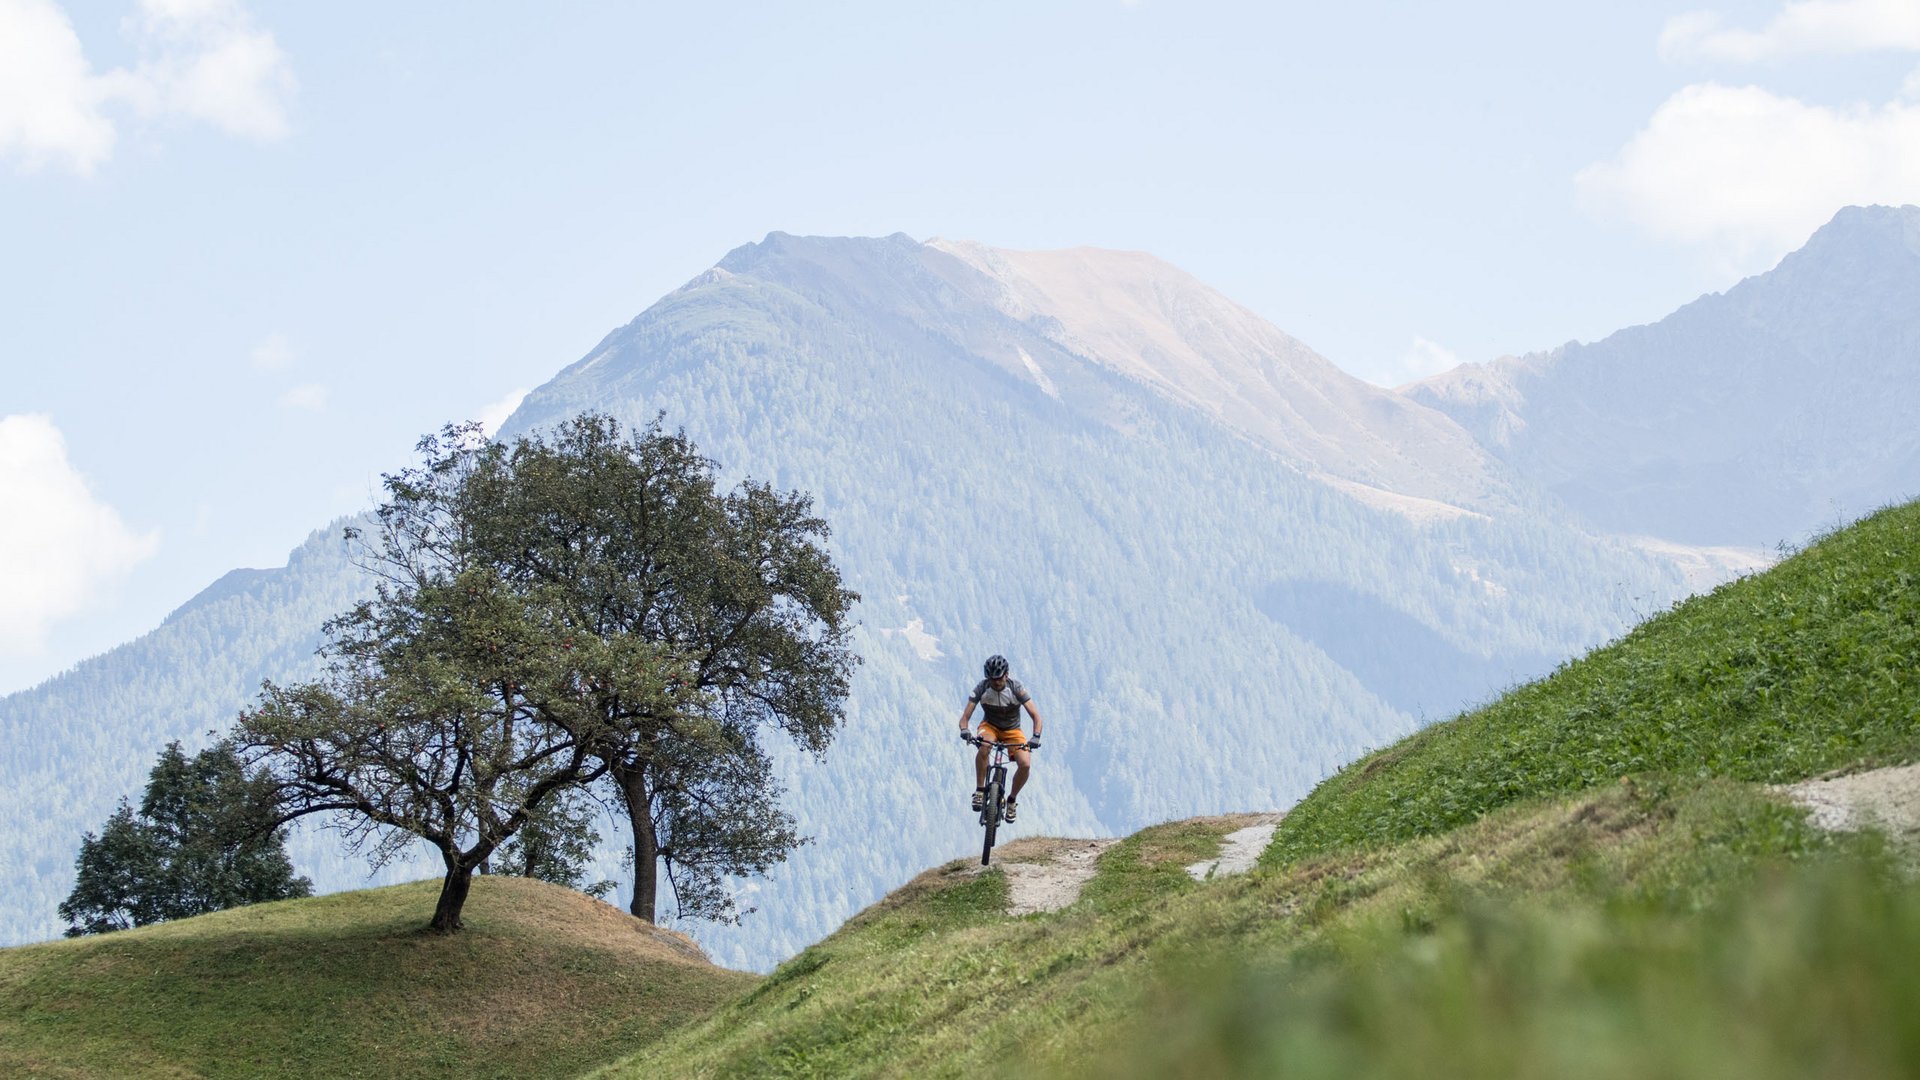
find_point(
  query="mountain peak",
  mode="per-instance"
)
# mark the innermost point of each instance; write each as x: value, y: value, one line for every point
x: 1874, y: 235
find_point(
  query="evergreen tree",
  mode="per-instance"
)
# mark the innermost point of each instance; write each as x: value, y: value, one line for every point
x: 204, y: 839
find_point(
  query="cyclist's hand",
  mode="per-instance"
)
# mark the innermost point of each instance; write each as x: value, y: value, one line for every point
x: 1033, y: 744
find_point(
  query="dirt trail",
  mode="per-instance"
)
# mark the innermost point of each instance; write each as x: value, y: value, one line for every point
x: 1046, y: 873
x: 1239, y: 850
x: 1051, y: 885
x: 1880, y: 798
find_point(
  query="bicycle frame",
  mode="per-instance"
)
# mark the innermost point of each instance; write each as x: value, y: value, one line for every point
x: 994, y: 804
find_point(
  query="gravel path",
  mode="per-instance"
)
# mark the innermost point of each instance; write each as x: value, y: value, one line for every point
x: 1239, y: 850
x: 1881, y: 798
x: 1034, y: 887
x: 1045, y: 874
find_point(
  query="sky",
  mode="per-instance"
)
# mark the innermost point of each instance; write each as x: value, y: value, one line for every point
x: 250, y: 252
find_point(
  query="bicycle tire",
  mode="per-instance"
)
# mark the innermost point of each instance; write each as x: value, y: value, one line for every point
x: 995, y: 792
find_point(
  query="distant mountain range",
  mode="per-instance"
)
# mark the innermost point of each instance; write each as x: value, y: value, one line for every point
x: 1783, y: 405
x: 1224, y: 566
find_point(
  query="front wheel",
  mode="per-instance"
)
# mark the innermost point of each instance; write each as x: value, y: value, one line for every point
x: 991, y: 819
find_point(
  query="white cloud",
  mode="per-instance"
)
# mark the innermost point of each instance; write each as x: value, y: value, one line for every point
x: 1806, y: 26
x: 311, y: 397
x: 1747, y: 174
x: 209, y: 62
x: 273, y: 354
x: 1422, y: 358
x: 59, y: 546
x: 492, y: 416
x: 200, y: 60
x: 49, y: 98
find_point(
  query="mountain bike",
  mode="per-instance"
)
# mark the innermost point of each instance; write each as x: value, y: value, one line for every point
x: 995, y: 802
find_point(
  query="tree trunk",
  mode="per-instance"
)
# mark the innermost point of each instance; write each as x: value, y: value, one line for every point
x: 646, y: 847
x: 453, y: 896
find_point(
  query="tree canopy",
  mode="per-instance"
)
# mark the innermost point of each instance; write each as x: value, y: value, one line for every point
x: 204, y: 839
x: 731, y: 595
x: 560, y: 612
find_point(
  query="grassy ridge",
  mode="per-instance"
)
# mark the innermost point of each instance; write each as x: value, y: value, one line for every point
x: 546, y: 982
x: 936, y: 982
x: 1583, y: 879
x: 1811, y: 666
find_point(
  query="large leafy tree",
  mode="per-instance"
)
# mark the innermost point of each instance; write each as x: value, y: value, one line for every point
x: 560, y: 612
x: 731, y: 595
x: 204, y: 839
x: 449, y: 709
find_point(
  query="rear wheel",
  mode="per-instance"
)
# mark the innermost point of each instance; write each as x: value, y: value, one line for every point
x: 995, y: 794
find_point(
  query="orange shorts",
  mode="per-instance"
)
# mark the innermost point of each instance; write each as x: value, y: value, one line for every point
x: 1012, y: 738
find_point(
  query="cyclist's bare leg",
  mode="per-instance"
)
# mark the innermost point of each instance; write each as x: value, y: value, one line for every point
x: 980, y: 766
x: 1024, y: 759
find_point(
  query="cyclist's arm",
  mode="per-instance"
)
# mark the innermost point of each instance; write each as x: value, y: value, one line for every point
x: 1035, y: 713
x: 966, y: 712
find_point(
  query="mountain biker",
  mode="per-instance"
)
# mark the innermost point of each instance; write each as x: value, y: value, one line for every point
x: 1001, y: 699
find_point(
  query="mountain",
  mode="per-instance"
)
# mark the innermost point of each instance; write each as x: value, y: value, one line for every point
x: 1211, y: 615
x: 1222, y: 566
x: 1748, y: 417
x: 1131, y: 313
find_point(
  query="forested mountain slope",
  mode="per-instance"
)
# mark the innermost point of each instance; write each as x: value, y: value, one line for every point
x: 81, y: 741
x: 1212, y: 613
x: 1748, y: 417
x: 1206, y: 624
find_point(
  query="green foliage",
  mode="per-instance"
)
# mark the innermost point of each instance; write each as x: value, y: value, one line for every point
x: 451, y: 706
x: 644, y: 564
x: 554, y: 612
x: 555, y: 845
x: 1805, y: 972
x: 1810, y: 666
x: 204, y: 839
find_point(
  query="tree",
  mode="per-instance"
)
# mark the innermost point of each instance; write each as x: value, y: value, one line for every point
x: 449, y: 706
x: 554, y: 845
x: 733, y: 595
x: 554, y: 613
x: 205, y: 839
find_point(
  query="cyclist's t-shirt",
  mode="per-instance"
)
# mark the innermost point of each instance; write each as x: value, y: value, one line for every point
x: 1001, y: 706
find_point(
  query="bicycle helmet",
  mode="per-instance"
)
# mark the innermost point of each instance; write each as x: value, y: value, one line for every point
x: 996, y: 666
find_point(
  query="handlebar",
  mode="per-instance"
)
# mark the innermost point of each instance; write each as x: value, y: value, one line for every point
x: 969, y: 737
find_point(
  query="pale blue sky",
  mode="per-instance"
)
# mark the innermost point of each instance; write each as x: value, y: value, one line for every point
x: 250, y: 252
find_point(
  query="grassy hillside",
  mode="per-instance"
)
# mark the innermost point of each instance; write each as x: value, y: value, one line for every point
x: 546, y: 982
x: 1811, y: 666
x: 1582, y: 880
x: 1267, y: 972
x: 1586, y: 879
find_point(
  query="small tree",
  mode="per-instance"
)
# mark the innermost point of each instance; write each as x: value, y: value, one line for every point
x: 205, y: 839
